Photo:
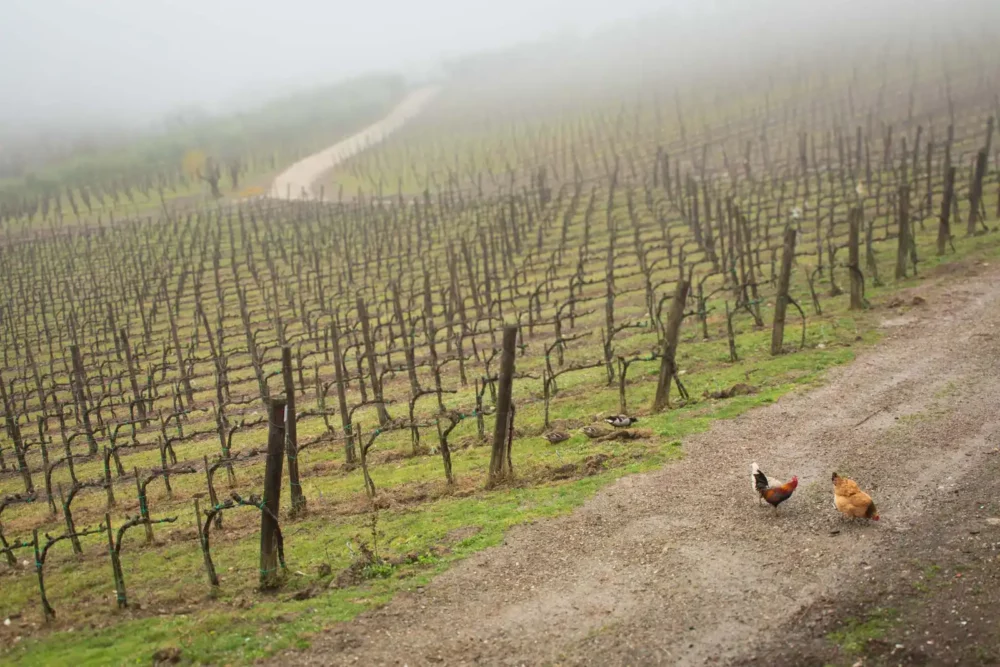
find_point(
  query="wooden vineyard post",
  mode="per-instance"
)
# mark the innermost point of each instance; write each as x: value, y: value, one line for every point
x: 903, y: 248
x: 668, y: 367
x: 130, y: 366
x: 366, y: 333
x: 944, y: 225
x: 976, y: 193
x: 338, y: 369
x: 411, y: 367
x: 181, y: 367
x: 271, y: 502
x: 79, y: 395
x: 500, y: 467
x: 14, y: 431
x: 291, y: 438
x: 854, y: 258
x: 781, y: 299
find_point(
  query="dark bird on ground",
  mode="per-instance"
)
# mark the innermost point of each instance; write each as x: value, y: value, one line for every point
x: 621, y: 421
x: 556, y: 436
x: 593, y: 431
x: 774, y: 495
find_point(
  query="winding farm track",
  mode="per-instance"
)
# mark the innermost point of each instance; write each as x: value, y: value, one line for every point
x: 297, y: 181
x: 681, y: 566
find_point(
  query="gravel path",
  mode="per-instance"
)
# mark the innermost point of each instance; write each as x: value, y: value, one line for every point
x: 681, y: 566
x: 296, y: 182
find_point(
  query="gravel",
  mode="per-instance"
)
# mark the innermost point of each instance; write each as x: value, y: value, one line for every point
x: 681, y: 566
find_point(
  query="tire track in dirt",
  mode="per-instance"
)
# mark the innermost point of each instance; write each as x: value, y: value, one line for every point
x: 681, y: 566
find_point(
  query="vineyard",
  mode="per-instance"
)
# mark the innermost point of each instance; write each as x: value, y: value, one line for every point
x: 303, y: 406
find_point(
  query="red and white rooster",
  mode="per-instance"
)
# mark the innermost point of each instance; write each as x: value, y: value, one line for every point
x: 770, y: 490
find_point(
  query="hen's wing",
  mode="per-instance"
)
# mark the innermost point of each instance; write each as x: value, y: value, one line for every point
x: 857, y: 504
x: 846, y: 487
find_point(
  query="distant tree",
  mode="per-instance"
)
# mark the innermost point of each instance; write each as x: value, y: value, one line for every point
x: 196, y: 163
x: 234, y: 172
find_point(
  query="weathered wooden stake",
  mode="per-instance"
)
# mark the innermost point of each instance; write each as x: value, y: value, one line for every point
x: 668, y: 366
x: 130, y: 365
x: 944, y: 225
x: 291, y: 436
x: 338, y: 368
x: 79, y: 395
x: 383, y: 414
x: 903, y: 247
x: 500, y: 468
x: 271, y: 503
x: 854, y: 258
x: 781, y: 299
x: 976, y: 193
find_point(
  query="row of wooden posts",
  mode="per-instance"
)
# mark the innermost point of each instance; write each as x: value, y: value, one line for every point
x: 281, y: 440
x: 280, y: 444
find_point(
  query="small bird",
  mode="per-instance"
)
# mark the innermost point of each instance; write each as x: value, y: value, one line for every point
x: 556, y: 436
x: 593, y: 431
x: 774, y: 495
x: 851, y: 500
x: 621, y: 421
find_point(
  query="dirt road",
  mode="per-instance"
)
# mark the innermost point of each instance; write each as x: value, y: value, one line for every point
x: 681, y: 566
x: 296, y: 182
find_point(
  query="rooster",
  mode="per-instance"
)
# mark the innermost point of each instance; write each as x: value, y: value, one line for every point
x: 773, y: 493
x: 851, y: 500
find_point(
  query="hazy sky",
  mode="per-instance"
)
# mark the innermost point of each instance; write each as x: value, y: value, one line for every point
x: 81, y: 58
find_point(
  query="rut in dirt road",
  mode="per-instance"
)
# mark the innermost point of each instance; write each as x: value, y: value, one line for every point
x: 681, y: 566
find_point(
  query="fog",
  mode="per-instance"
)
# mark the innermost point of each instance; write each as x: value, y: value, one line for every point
x: 76, y: 64
x: 122, y: 60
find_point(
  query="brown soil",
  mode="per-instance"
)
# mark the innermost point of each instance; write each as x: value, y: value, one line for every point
x: 683, y: 567
x: 936, y: 586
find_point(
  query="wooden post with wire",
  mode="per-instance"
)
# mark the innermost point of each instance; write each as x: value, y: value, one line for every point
x: 500, y: 465
x: 291, y: 437
x: 781, y: 299
x: 271, y: 503
x: 668, y: 365
x: 854, y: 258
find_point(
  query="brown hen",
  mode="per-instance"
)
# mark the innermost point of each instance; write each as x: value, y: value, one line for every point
x: 851, y: 500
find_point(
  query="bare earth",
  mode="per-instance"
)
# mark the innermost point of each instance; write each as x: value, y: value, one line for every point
x: 296, y: 182
x: 682, y: 566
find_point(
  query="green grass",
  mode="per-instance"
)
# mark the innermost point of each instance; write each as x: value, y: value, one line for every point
x: 213, y: 631
x: 854, y: 637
